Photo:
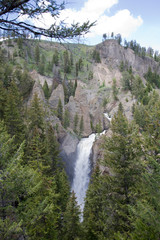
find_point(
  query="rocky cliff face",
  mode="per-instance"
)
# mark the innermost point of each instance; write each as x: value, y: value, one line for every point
x: 113, y: 54
x: 88, y: 99
x: 57, y: 94
x: 86, y: 104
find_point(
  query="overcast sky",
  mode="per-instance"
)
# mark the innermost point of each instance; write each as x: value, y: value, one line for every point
x: 135, y: 20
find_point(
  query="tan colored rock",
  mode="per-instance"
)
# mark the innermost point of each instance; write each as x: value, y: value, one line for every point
x: 41, y: 79
x: 113, y: 54
x: 37, y: 89
x: 57, y: 94
x: 86, y: 104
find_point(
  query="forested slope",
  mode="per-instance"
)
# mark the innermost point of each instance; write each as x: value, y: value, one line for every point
x: 52, y: 95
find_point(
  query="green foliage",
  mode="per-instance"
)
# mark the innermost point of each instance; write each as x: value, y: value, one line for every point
x: 20, y: 42
x: 96, y: 56
x: 71, y: 220
x: 35, y: 115
x: 13, y: 113
x: 3, y: 96
x: 37, y: 54
x: 15, y: 26
x: 105, y: 102
x: 121, y: 66
x: 24, y: 81
x: 138, y: 88
x: 120, y: 107
x: 127, y: 80
x: 55, y: 58
x: 114, y: 89
x: 67, y: 63
x: 60, y: 110
x: 66, y: 122
x: 77, y: 69
x: 153, y: 78
x: 103, y: 85
x: 110, y: 195
x: 46, y: 90
x: 41, y: 68
x: 81, y: 126
x: 80, y: 64
x: 94, y: 212
x: 76, y: 120
x: 90, y: 75
x: 98, y: 127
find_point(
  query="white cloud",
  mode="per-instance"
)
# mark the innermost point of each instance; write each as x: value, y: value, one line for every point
x: 122, y: 22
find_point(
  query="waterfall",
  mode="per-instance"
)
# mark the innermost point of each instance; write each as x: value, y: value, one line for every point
x: 82, y: 169
x: 107, y: 116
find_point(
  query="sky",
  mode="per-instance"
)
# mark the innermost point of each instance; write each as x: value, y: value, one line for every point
x: 135, y: 20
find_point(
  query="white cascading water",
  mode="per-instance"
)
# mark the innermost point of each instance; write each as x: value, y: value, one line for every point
x: 82, y: 169
x: 107, y: 116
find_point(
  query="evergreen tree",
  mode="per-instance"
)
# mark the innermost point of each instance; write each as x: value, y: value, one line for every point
x: 117, y: 191
x: 94, y: 212
x: 76, y: 120
x: 60, y: 110
x: 46, y: 90
x: 138, y: 89
x: 13, y: 113
x: 72, y: 219
x: 114, y: 89
x: 3, y: 96
x: 36, y: 152
x: 81, y: 126
x: 80, y: 64
x: 55, y: 58
x: 67, y: 65
x: 75, y: 87
x: 77, y: 69
x: 66, y: 119
x: 37, y: 54
x: 51, y: 151
x: 96, y: 56
x: 127, y: 80
x: 35, y: 115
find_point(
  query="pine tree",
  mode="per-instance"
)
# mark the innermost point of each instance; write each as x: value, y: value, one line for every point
x: 3, y: 96
x: 114, y: 89
x: 117, y: 191
x: 124, y: 154
x: 94, y: 213
x: 13, y: 113
x: 67, y: 64
x: 81, y: 126
x: 51, y: 151
x: 66, y: 119
x: 76, y: 120
x: 37, y: 54
x: 55, y: 58
x: 46, y: 90
x: 60, y: 110
x: 72, y: 219
x: 35, y: 115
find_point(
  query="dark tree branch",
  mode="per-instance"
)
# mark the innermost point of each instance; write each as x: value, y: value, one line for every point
x: 13, y: 5
x: 11, y: 11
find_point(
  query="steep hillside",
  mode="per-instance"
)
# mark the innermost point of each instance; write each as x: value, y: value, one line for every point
x: 77, y: 84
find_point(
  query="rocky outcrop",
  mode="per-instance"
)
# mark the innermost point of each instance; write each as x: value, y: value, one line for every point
x: 68, y: 153
x: 57, y: 94
x: 37, y: 89
x: 87, y: 104
x: 113, y: 54
x: 41, y: 79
